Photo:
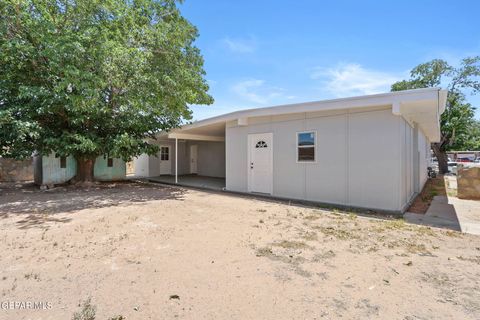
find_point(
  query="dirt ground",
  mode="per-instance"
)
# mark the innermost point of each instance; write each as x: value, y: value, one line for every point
x: 433, y: 187
x: 149, y: 252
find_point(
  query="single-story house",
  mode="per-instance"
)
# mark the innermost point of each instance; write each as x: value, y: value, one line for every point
x: 367, y: 152
x: 54, y: 169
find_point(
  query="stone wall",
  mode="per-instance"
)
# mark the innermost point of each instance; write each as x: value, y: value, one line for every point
x: 16, y: 171
x: 468, y: 182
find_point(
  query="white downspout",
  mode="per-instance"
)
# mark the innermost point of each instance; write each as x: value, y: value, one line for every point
x: 176, y: 160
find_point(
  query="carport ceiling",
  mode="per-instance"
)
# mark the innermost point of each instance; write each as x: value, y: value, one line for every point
x: 215, y: 129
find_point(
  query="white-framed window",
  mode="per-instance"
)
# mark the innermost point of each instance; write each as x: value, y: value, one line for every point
x: 306, y: 146
x: 164, y: 153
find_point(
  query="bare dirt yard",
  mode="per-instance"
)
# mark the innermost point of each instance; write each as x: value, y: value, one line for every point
x: 141, y: 251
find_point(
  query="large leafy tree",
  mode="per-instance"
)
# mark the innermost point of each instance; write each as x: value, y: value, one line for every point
x: 459, y: 130
x: 93, y: 77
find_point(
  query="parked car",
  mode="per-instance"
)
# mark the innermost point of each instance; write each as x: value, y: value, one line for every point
x: 452, y: 167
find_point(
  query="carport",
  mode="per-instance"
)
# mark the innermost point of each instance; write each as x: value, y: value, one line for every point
x: 191, y: 156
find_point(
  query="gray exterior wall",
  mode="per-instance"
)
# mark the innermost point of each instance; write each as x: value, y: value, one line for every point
x: 361, y: 157
x: 424, y: 158
x: 211, y: 158
x: 415, y: 158
x: 149, y: 166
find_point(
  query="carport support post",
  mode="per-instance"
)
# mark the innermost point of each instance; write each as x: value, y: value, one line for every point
x: 176, y: 160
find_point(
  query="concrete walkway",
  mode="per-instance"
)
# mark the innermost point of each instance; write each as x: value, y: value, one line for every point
x: 450, y: 213
x: 196, y: 181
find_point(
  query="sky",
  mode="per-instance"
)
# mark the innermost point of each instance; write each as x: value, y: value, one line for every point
x: 265, y: 52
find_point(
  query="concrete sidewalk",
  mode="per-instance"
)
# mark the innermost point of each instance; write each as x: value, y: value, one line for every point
x: 468, y: 214
x: 450, y: 213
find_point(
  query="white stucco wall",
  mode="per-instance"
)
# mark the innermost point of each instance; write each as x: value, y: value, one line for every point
x: 359, y: 157
x: 141, y: 166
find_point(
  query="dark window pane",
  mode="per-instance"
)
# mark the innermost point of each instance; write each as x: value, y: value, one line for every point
x: 164, y: 153
x: 63, y: 162
x: 306, y: 154
x: 261, y: 144
x: 306, y: 139
x: 109, y: 162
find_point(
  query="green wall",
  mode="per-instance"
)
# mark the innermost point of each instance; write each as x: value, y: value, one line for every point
x: 53, y: 174
x: 104, y: 173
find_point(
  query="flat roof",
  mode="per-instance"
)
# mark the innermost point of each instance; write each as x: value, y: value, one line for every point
x: 423, y: 106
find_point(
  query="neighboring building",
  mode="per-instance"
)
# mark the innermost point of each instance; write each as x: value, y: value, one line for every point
x: 12, y: 170
x: 53, y: 169
x: 316, y: 151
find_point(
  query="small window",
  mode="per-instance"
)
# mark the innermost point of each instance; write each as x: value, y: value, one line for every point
x: 164, y: 153
x: 110, y: 162
x: 63, y: 162
x: 306, y: 146
x: 261, y: 144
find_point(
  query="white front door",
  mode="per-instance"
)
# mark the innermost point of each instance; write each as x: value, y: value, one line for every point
x: 165, y: 160
x: 193, y: 159
x: 260, y: 163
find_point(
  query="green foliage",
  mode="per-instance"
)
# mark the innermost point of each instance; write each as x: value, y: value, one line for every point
x: 469, y: 140
x: 459, y: 130
x: 87, y: 78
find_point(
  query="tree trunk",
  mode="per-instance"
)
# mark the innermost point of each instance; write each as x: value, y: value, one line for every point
x: 442, y: 157
x: 85, y: 170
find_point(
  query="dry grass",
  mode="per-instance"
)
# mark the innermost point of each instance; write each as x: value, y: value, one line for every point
x: 320, y: 257
x: 338, y: 232
x: 87, y: 311
x: 309, y: 236
x: 475, y: 259
x: 291, y: 244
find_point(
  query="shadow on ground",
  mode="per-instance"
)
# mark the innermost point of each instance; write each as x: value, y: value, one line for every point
x: 41, y: 206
